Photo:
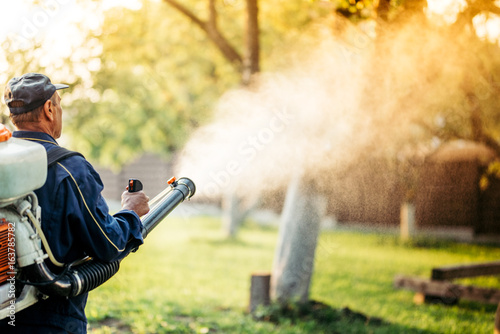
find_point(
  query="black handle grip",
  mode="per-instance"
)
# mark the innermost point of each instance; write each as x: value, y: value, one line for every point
x: 134, y: 185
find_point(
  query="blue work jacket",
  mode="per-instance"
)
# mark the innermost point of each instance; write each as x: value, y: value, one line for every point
x: 76, y: 223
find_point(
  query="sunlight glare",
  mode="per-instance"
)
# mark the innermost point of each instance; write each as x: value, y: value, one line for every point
x: 446, y: 9
x: 487, y: 26
x: 130, y: 4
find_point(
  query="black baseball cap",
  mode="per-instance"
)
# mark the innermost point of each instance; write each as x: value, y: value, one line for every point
x: 29, y: 91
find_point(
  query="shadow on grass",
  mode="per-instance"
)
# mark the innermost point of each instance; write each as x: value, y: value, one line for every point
x: 317, y: 317
x: 313, y: 317
x: 476, y: 306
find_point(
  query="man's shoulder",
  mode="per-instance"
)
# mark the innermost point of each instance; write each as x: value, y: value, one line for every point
x: 65, y: 162
x: 58, y: 153
x: 71, y: 166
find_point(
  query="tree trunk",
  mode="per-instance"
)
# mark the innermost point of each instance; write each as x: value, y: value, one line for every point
x: 251, y: 64
x: 383, y: 9
x: 232, y: 214
x: 234, y: 211
x: 298, y: 234
x: 407, y: 221
x: 212, y: 31
x: 412, y: 9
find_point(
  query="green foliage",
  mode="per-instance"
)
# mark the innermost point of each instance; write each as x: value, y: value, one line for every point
x: 148, y: 77
x: 158, y: 79
x: 18, y: 61
x: 284, y: 24
x: 188, y: 278
x: 492, y: 172
x: 355, y: 9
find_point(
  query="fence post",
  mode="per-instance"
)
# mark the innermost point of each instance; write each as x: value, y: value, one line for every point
x: 407, y: 220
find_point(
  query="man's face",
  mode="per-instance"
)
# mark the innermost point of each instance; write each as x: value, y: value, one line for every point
x: 56, y: 104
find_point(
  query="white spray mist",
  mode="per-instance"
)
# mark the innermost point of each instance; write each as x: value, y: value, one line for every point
x: 350, y: 97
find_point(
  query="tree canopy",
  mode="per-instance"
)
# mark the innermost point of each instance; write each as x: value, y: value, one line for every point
x: 161, y: 75
x: 147, y: 77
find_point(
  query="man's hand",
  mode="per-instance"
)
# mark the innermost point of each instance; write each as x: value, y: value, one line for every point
x: 136, y: 201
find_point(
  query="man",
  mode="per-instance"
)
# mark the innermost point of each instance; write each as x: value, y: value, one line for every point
x: 75, y: 217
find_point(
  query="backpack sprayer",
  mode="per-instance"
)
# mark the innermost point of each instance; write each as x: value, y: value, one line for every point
x: 24, y: 276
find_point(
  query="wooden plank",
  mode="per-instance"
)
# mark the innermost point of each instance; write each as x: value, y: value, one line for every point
x: 448, y: 290
x: 468, y: 270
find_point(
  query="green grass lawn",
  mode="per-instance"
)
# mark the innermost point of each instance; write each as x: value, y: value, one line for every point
x: 187, y: 278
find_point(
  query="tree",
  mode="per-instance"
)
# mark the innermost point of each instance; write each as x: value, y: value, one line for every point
x: 298, y: 233
x: 245, y: 65
x: 166, y: 68
x: 414, y: 90
x: 482, y: 66
x: 157, y: 75
x: 486, y: 78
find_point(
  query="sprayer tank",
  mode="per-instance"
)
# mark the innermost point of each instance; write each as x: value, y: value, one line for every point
x: 23, y: 167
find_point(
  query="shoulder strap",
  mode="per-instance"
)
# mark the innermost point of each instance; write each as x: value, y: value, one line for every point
x: 59, y: 153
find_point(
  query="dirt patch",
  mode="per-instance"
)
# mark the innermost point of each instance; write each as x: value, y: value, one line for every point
x: 116, y: 325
